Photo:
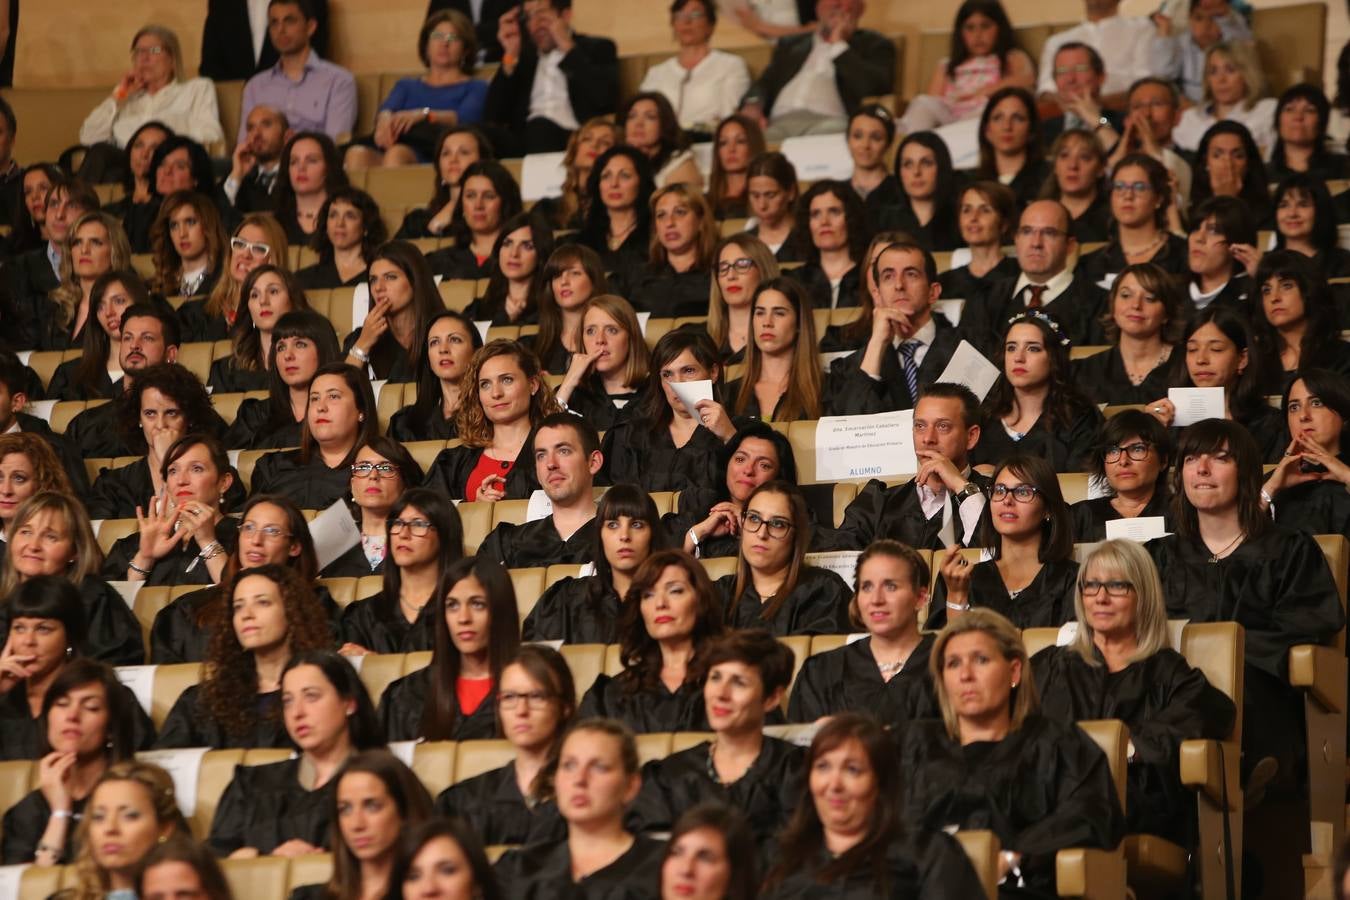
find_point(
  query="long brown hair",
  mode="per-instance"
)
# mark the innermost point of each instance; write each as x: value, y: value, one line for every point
x: 803, y: 398
x: 474, y: 428
x: 706, y: 236
x: 801, y: 540
x: 754, y: 249
x: 574, y: 198
x: 754, y: 135
x: 547, y: 667
x: 638, y: 650
x: 410, y: 798
x: 621, y: 311
x: 550, y: 314
x: 68, y: 294
x: 168, y: 264
x: 245, y: 339
x: 224, y: 297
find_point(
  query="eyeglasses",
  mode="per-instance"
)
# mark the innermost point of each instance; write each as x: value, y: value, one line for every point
x: 255, y: 248
x: 1022, y: 493
x: 269, y: 532
x: 1079, y: 69
x: 147, y: 52
x: 533, y: 699
x: 694, y: 15
x: 754, y: 522
x: 1026, y: 232
x: 1131, y: 187
x: 445, y: 37
x: 1134, y: 451
x: 742, y: 265
x: 1092, y: 588
x: 381, y: 470
x: 419, y: 527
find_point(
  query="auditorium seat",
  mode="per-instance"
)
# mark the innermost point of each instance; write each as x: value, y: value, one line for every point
x: 400, y: 185
x: 368, y: 586
x: 529, y: 585
x: 558, y: 571
x: 262, y: 877
x: 378, y: 671
x: 149, y: 600
x: 425, y: 452
x: 41, y: 882
x: 1092, y: 873
x: 458, y: 293
x: 683, y: 740
x: 246, y: 462
x: 343, y: 590
x: 655, y: 745
x: 586, y: 662
x: 112, y: 530
x: 389, y: 401
x: 476, y: 757
x: 196, y: 357
x: 434, y: 763
x: 824, y: 643
x: 1086, y: 350
x: 227, y: 405
x: 983, y: 848
x: 1074, y: 486
x: 476, y: 517
x: 312, y: 868
x: 169, y: 683
x: 44, y: 362
x: 65, y: 410
x: 17, y: 778
x: 718, y: 566
x: 215, y: 774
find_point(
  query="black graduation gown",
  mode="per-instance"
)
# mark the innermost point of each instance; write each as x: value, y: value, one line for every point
x: 602, y: 409
x: 498, y: 813
x: 116, y: 493
x: 896, y: 512
x: 189, y: 724
x: 920, y: 865
x: 407, y: 425
x: 1096, y: 223
x: 1077, y: 309
x: 252, y: 428
x: 458, y: 263
x: 266, y: 806
x: 324, y: 276
x: 197, y: 325
x: 1280, y: 589
x: 172, y: 568
x: 389, y: 360
x: 19, y: 738
x: 1102, y: 379
x: 817, y: 284
x: 1045, y: 603
x: 378, y: 624
x: 817, y: 605
x: 1163, y: 701
x: 65, y: 450
x: 766, y: 794
x: 1027, y: 183
x: 1067, y: 448
x: 23, y: 826
x: 635, y: 454
x: 1090, y: 516
x: 95, y: 432
x: 668, y: 294
x: 1173, y: 256
x: 569, y: 612
x: 961, y: 284
x: 449, y: 473
x: 544, y: 871
x: 852, y: 392
x: 403, y: 701
x: 112, y: 632
x: 847, y: 679
x: 63, y: 385
x: 308, y: 486
x: 1044, y: 787
x: 537, y: 543
x: 646, y: 710
x: 175, y: 636
x: 936, y: 237
x: 1316, y: 507
x: 227, y: 378
x: 1267, y: 426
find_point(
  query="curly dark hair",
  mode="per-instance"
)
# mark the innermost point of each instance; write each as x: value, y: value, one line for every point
x: 502, y: 182
x: 638, y: 650
x: 203, y: 173
x: 178, y: 384
x: 1065, y: 402
x: 230, y: 691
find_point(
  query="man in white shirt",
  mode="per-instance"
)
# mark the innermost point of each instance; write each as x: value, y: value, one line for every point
x: 815, y: 81
x: 1123, y: 43
x: 703, y: 85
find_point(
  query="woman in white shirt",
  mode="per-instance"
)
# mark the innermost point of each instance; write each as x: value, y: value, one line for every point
x: 703, y: 85
x: 155, y: 90
x: 1233, y: 88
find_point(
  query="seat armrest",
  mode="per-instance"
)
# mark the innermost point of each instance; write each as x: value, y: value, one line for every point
x: 1092, y: 874
x: 1321, y: 672
x: 1200, y: 771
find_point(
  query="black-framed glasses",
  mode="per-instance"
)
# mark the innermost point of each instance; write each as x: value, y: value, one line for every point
x: 1022, y: 493
x: 532, y: 699
x: 1133, y: 451
x: 753, y: 522
x: 742, y: 265
x: 419, y: 527
x: 380, y: 470
x: 1114, y: 588
x: 269, y: 532
x: 256, y: 248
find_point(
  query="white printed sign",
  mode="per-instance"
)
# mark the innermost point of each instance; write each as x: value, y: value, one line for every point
x: 876, y: 446
x: 140, y: 680
x: 334, y: 532
x: 542, y: 175
x: 1139, y: 529
x: 843, y: 563
x: 183, y: 767
x: 1194, y: 404
x: 817, y: 156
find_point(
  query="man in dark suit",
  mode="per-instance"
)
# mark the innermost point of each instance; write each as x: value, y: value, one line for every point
x: 815, y: 81
x: 1079, y: 76
x: 256, y: 162
x: 942, y: 504
x: 489, y: 48
x: 230, y: 46
x: 1044, y: 246
x: 909, y: 345
x: 549, y: 85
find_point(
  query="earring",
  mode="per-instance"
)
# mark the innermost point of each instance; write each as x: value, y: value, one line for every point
x: 1014, y: 684
x: 70, y: 652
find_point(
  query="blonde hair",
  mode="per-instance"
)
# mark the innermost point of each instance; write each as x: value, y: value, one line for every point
x: 225, y: 295
x: 707, y: 224
x: 68, y: 295
x: 621, y: 311
x: 88, y: 557
x: 573, y: 198
x: 1243, y: 56
x: 756, y: 250
x: 1008, y: 640
x: 1131, y: 562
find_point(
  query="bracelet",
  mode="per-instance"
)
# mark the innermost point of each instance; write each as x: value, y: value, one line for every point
x: 131, y: 564
x: 359, y: 354
x: 60, y: 814
x: 958, y: 607
x: 693, y: 536
x: 1266, y: 498
x: 211, y: 551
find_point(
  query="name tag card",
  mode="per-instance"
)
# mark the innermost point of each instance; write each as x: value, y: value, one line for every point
x: 334, y: 533
x: 877, y: 446
x: 542, y: 175
x: 539, y: 507
x: 963, y: 142
x: 1141, y: 529
x: 843, y: 563
x: 642, y: 318
x: 127, y: 589
x: 404, y: 751
x: 969, y: 367
x: 817, y: 156
x: 1196, y: 404
x: 183, y: 767
x: 483, y: 325
x: 140, y: 680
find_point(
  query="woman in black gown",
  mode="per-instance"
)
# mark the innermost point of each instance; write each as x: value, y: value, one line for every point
x: 476, y: 628
x: 1145, y: 316
x: 86, y: 723
x: 488, y: 197
x: 423, y: 537
x: 782, y: 381
x: 535, y: 706
x: 740, y: 263
x: 922, y: 207
x: 1130, y: 455
x: 886, y: 673
x: 1142, y: 210
x: 1119, y: 666
x: 711, y: 853
x: 596, y: 778
x: 773, y: 586
x: 1294, y: 311
x: 382, y: 471
x: 1010, y: 144
x: 272, y: 616
x: 438, y: 847
x: 302, y: 342
x: 515, y: 273
x: 618, y: 217
x: 606, y: 376
x: 257, y: 239
x: 993, y: 761
x: 28, y: 466
x: 678, y: 275
x: 746, y: 674
x: 350, y: 228
x: 90, y: 376
x: 573, y: 275
x: 834, y: 222
x: 1308, y: 485
x: 1078, y: 183
x: 1030, y: 578
x: 268, y: 293
x: 283, y: 808
x: 584, y: 609
x: 671, y: 613
x: 849, y: 835
x: 451, y: 341
x: 986, y: 214
x: 403, y: 298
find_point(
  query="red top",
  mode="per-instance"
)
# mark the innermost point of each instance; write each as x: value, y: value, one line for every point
x: 486, y: 466
x: 472, y: 692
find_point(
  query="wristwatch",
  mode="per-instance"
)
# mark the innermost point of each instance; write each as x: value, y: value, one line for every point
x: 970, y: 490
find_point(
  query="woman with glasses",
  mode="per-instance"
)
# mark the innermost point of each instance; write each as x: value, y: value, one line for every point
x: 272, y: 531
x: 1227, y: 561
x: 382, y: 471
x: 451, y: 341
x: 1131, y: 455
x: 742, y: 262
x: 584, y: 609
x: 475, y: 628
x: 1144, y: 210
x: 423, y: 536
x: 773, y: 586
x: 270, y: 292
x: 1119, y: 666
x: 515, y: 804
x: 256, y: 240
x: 272, y: 615
x: 835, y: 221
x: 389, y: 342
x: 606, y: 376
x: 886, y: 673
x: 669, y: 616
x: 1031, y: 576
x: 993, y: 761
x: 1035, y: 408
x: 1308, y: 486
x: 1145, y: 315
x: 1299, y: 318
x: 302, y: 342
